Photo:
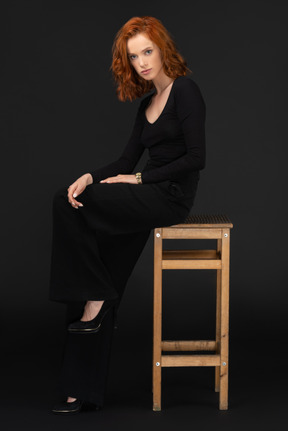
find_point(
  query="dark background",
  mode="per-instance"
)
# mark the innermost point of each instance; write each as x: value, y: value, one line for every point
x: 61, y: 119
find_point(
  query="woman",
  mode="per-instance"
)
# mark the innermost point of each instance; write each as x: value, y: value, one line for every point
x: 102, y: 222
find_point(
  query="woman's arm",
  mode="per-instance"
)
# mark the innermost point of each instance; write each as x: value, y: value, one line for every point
x: 191, y: 112
x: 128, y: 159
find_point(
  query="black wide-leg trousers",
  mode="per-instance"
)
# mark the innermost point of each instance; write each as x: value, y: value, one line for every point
x: 94, y: 251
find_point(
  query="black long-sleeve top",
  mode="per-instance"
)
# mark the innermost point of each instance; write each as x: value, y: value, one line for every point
x: 176, y: 140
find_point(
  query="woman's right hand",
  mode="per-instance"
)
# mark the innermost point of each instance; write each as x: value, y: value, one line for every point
x: 77, y: 188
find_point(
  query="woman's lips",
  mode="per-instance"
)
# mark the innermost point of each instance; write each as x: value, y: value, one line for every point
x: 145, y: 71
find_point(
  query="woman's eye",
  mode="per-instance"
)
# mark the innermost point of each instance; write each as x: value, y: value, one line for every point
x: 148, y: 50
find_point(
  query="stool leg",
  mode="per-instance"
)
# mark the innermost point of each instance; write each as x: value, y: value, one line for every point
x: 218, y: 319
x: 223, y: 398
x: 157, y: 319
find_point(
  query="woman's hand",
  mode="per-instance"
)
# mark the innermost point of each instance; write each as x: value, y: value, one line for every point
x: 121, y: 179
x: 78, y: 187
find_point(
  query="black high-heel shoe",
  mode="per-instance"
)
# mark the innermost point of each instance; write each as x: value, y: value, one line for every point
x: 66, y: 408
x: 92, y: 326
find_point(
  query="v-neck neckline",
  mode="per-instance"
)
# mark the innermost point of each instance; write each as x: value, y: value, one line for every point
x: 152, y: 124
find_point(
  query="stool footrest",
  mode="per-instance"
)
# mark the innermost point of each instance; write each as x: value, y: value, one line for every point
x: 188, y: 345
x: 191, y: 259
x: 190, y: 360
x: 191, y: 264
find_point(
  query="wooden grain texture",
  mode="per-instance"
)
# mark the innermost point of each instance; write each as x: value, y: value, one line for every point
x: 188, y: 345
x: 224, y: 324
x: 157, y: 319
x: 191, y: 259
x: 191, y: 233
x: 190, y: 360
x: 191, y: 264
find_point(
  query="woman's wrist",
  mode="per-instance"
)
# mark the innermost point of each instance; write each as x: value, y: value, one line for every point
x: 89, y: 179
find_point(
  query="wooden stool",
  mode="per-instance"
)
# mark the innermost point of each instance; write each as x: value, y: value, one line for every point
x: 194, y: 227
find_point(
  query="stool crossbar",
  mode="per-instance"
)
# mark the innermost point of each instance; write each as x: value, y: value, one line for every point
x: 194, y: 227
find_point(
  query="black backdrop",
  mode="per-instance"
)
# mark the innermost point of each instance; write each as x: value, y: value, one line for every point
x: 61, y: 119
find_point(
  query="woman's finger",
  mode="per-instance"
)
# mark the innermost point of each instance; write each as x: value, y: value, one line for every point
x: 76, y: 203
x: 72, y: 200
x: 75, y: 190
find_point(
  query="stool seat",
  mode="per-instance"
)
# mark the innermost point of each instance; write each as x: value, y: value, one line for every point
x: 195, y: 226
x: 207, y: 220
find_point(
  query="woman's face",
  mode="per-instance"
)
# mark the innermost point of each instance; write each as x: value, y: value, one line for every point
x: 144, y: 54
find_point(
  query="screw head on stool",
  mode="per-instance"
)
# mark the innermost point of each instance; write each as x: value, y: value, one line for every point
x: 157, y: 364
x: 157, y: 234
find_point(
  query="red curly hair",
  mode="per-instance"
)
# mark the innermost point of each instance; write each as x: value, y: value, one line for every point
x: 130, y: 85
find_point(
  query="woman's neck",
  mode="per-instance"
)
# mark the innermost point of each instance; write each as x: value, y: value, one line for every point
x: 161, y: 83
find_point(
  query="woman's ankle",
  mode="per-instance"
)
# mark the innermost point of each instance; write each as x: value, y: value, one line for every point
x: 95, y: 302
x: 71, y: 400
x: 91, y: 310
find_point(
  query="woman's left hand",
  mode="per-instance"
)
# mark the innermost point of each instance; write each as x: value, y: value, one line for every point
x: 121, y: 179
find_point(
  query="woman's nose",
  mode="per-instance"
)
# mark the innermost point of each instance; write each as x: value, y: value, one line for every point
x: 142, y: 62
